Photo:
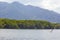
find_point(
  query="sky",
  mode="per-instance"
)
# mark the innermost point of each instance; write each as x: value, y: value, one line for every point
x: 46, y: 4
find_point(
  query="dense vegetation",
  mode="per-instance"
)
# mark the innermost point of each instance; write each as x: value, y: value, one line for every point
x: 27, y: 24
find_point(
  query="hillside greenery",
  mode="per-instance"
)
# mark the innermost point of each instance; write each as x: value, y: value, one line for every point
x: 27, y: 24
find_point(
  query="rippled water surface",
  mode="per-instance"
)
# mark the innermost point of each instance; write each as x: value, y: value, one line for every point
x: 20, y: 34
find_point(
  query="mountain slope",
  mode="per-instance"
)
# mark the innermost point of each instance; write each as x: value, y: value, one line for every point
x: 17, y: 10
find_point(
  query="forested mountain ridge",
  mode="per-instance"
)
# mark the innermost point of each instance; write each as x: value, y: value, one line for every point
x: 16, y: 10
x: 27, y: 24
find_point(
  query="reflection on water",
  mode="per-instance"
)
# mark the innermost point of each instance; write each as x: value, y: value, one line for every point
x: 19, y: 34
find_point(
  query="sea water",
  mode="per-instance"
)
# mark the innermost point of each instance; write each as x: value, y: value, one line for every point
x: 29, y: 34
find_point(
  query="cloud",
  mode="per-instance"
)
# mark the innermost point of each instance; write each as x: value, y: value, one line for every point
x: 48, y: 4
x: 5, y: 0
x: 57, y: 2
x: 51, y: 5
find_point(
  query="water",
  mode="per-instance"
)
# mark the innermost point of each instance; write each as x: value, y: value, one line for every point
x: 19, y: 34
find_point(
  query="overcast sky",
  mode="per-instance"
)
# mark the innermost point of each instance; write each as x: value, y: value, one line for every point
x: 46, y: 4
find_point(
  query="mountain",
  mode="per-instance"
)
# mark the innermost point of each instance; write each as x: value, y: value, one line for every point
x: 16, y: 10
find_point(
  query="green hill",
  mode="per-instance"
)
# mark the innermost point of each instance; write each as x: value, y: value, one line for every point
x: 27, y: 24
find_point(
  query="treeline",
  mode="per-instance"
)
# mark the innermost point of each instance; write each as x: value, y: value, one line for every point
x: 27, y: 24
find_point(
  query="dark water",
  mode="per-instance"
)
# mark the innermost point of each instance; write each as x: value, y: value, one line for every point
x: 19, y: 34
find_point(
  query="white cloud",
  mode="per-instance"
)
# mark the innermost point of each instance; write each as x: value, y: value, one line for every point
x: 51, y: 5
x: 5, y: 0
x: 48, y: 4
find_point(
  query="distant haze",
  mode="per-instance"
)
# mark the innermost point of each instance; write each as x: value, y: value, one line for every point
x: 46, y: 4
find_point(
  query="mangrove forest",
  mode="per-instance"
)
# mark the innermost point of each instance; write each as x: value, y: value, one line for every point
x: 27, y: 24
